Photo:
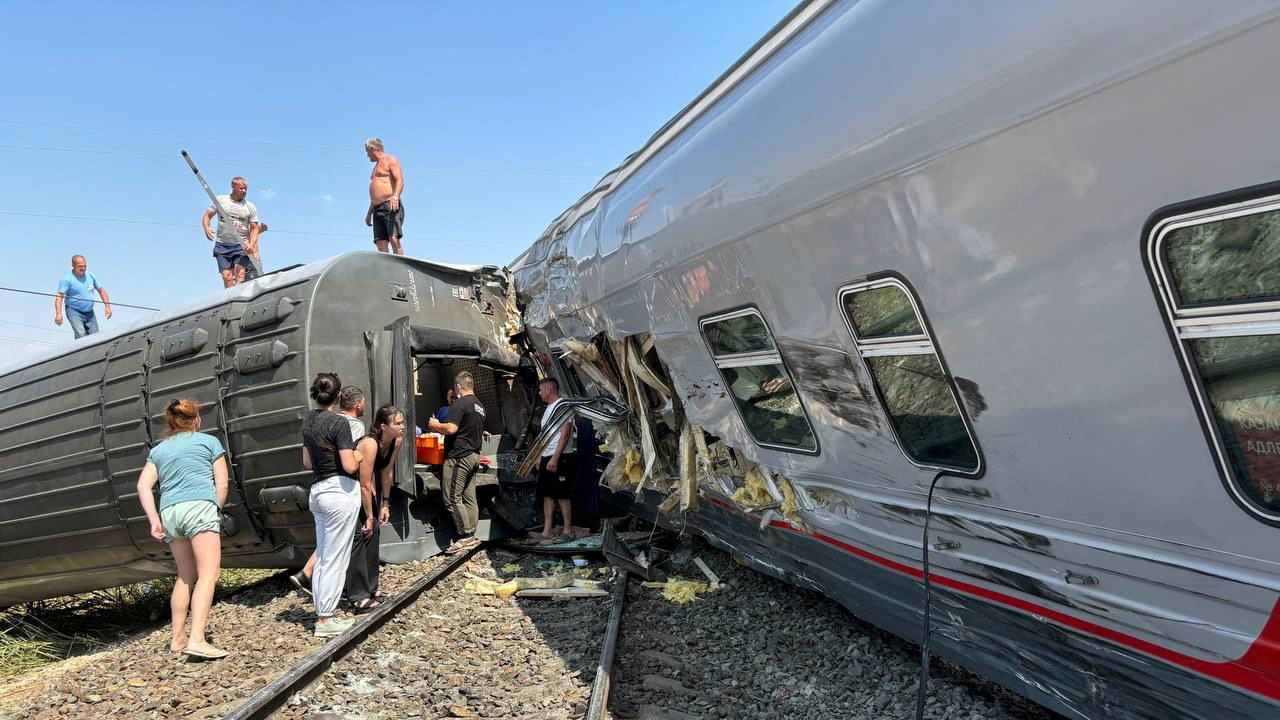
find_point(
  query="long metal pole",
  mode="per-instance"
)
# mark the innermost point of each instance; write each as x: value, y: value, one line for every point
x: 604, y: 671
x: 208, y: 190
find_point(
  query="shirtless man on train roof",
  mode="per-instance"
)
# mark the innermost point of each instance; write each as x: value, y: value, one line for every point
x: 386, y: 211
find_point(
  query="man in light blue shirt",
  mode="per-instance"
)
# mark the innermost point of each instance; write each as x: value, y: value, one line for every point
x: 77, y: 287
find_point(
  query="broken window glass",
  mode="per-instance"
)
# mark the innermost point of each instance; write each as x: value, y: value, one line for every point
x: 1231, y: 259
x: 882, y: 312
x: 758, y: 381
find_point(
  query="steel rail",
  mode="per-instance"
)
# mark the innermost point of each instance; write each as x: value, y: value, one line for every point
x: 603, y: 681
x: 272, y: 697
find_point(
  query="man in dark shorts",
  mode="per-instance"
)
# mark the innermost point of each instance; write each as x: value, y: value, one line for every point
x: 386, y: 212
x: 237, y: 235
x: 555, y: 468
x: 463, y: 431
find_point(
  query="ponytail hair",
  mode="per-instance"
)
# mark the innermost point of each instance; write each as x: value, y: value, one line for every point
x: 181, y: 415
x: 325, y: 388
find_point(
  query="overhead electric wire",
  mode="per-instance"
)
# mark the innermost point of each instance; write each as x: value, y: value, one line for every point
x: 98, y: 302
x: 28, y: 342
x: 193, y: 224
x: 345, y: 166
x: 154, y: 133
x: 37, y: 327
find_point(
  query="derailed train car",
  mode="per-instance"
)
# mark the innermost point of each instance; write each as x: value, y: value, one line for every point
x: 76, y: 424
x: 999, y: 312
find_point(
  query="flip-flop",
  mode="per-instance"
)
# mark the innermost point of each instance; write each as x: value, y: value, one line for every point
x: 217, y: 655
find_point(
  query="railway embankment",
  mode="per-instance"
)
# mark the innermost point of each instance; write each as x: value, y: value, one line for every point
x: 754, y: 648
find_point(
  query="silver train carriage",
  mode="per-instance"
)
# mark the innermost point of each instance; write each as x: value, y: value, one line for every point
x: 77, y: 423
x: 1026, y: 255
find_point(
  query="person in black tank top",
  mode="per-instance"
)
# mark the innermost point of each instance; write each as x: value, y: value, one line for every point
x: 378, y: 451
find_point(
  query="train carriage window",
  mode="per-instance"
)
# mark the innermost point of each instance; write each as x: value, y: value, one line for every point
x: 753, y: 371
x: 1220, y: 284
x: 1229, y: 260
x: 913, y: 386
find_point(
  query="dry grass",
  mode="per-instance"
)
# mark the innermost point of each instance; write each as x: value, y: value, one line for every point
x: 38, y: 633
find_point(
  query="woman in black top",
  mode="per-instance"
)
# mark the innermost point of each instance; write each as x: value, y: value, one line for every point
x: 378, y: 451
x: 328, y: 450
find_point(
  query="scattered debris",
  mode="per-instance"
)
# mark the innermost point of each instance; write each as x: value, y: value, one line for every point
x: 679, y: 590
x: 712, y: 580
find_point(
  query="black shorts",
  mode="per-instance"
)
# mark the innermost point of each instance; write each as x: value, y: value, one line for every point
x: 558, y: 484
x: 388, y: 224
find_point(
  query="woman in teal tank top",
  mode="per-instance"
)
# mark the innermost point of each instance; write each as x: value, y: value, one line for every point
x: 191, y: 468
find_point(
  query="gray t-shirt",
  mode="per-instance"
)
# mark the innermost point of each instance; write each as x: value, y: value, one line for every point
x: 233, y: 223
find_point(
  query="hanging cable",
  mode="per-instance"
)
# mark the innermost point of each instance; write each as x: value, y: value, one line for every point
x: 923, y: 685
x: 97, y: 302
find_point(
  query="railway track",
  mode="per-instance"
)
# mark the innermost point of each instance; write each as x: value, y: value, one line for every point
x: 756, y: 649
x: 270, y: 699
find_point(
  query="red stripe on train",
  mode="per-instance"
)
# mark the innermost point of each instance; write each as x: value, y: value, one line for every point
x: 1258, y: 670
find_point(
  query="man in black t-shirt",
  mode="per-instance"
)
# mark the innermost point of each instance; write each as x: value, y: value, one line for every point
x: 463, y: 431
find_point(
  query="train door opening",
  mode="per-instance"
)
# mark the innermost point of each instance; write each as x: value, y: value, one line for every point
x: 419, y: 366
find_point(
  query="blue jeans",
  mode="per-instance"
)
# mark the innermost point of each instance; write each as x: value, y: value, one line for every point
x: 83, y: 322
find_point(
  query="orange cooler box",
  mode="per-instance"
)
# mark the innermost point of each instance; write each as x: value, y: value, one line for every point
x: 430, y: 450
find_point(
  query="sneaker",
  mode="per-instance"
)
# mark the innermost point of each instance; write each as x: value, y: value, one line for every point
x: 301, y: 581
x: 333, y: 628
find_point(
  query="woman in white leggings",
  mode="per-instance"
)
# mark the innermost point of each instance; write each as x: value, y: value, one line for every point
x: 328, y: 450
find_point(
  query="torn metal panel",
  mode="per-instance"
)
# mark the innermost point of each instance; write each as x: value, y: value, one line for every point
x: 637, y: 365
x: 587, y: 358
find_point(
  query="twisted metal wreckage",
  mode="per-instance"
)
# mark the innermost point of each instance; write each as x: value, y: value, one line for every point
x: 652, y: 444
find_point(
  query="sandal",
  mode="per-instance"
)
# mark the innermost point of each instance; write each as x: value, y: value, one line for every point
x: 367, y: 604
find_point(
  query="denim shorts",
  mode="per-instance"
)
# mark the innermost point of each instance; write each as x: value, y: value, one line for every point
x: 187, y: 519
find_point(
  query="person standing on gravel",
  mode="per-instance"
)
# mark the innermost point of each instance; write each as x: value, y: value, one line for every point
x: 555, y: 468
x: 351, y: 407
x: 463, y: 431
x: 378, y: 452
x: 191, y: 468
x: 329, y: 451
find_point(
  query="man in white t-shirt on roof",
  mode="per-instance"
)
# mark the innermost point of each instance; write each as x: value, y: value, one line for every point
x: 555, y: 468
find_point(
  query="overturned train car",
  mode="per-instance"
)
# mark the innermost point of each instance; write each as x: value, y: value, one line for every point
x: 76, y: 424
x: 1018, y: 288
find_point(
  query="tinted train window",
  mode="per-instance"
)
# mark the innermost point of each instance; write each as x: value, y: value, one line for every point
x: 1226, y: 260
x: 916, y: 391
x: 1221, y: 283
x: 758, y: 380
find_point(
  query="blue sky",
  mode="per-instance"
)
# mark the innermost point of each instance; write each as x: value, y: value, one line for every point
x: 502, y: 112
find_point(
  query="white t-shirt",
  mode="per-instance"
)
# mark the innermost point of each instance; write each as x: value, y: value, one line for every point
x: 550, y: 449
x: 357, y: 428
x: 239, y: 216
